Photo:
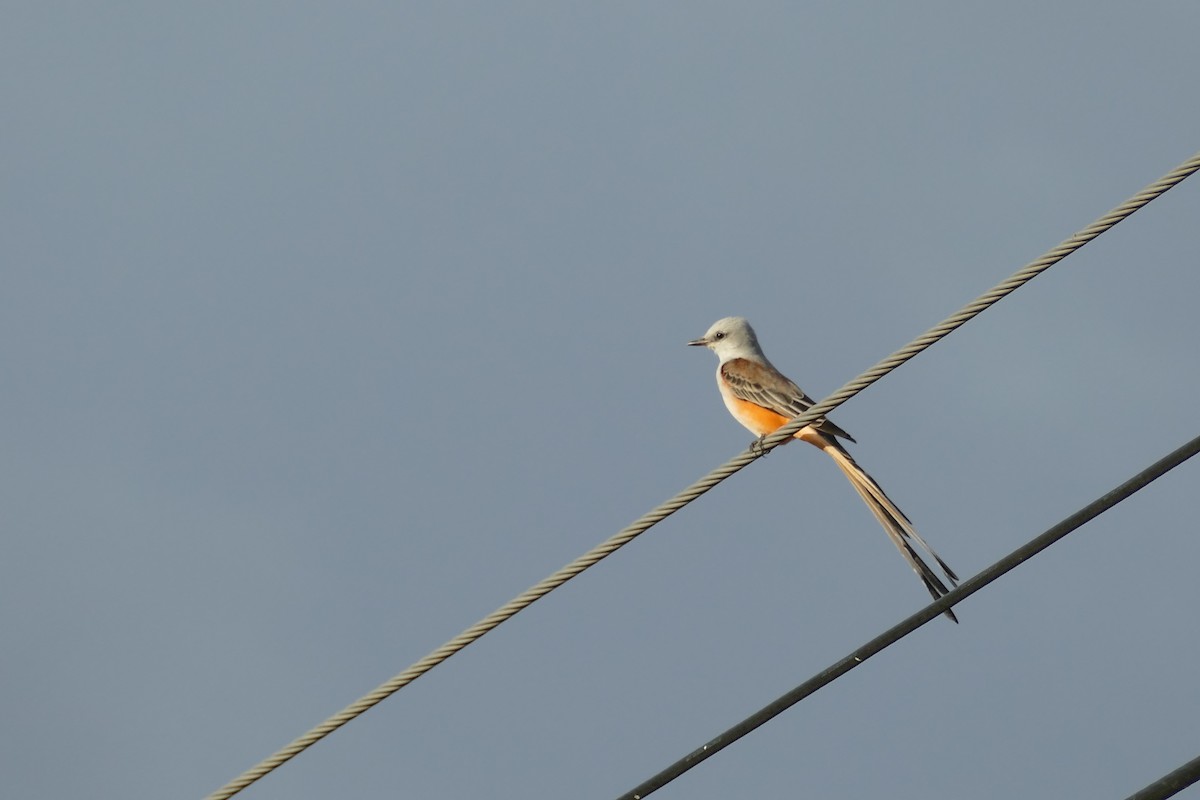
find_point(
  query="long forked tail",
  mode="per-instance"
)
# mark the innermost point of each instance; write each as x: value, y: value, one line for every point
x: 897, y: 526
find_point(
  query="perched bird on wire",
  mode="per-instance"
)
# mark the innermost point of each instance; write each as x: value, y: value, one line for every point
x: 762, y: 399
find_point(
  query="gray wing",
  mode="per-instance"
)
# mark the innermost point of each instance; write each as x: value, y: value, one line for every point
x: 767, y: 387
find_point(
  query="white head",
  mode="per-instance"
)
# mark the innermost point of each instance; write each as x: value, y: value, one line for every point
x: 731, y: 338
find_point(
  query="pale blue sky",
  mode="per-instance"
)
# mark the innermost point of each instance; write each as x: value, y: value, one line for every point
x: 330, y: 328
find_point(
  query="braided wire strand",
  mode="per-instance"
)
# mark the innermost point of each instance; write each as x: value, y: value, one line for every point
x: 703, y: 485
x: 988, y: 299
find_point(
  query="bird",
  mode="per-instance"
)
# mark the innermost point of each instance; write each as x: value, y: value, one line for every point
x: 762, y: 399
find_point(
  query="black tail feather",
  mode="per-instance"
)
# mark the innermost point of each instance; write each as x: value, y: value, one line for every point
x: 897, y: 526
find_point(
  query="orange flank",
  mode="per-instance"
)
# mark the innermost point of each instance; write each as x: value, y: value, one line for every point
x: 755, y: 418
x: 761, y: 421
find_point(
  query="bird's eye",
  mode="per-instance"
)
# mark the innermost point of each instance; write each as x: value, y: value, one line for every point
x: 719, y: 335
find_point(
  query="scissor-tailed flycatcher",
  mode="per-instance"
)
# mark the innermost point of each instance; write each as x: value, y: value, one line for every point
x: 762, y: 399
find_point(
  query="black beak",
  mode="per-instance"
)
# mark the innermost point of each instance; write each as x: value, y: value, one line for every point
x: 698, y: 343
